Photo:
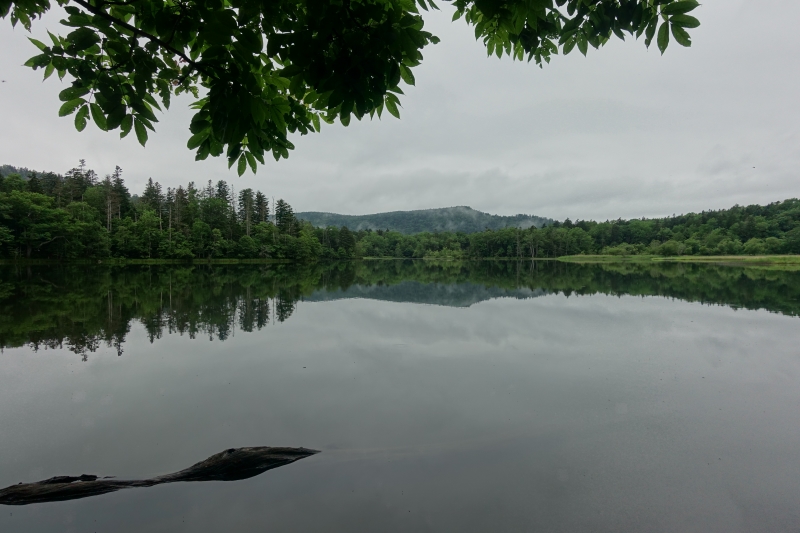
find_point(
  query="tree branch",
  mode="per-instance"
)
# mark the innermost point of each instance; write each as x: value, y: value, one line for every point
x: 136, y: 31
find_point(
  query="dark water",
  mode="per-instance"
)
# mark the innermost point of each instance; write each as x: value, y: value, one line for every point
x: 443, y: 397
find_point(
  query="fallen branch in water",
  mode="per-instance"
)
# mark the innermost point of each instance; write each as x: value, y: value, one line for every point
x: 230, y: 465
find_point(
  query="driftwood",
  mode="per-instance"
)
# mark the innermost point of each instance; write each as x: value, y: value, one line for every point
x: 230, y: 465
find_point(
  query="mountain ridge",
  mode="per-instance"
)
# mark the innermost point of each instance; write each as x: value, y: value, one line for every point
x: 461, y: 218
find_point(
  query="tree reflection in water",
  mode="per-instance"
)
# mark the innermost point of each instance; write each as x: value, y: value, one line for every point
x: 83, y: 308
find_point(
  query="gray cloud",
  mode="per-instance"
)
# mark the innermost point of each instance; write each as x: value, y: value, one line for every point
x: 622, y: 133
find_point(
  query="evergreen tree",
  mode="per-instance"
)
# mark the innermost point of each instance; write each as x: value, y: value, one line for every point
x: 181, y: 204
x: 284, y: 216
x: 246, y: 208
x: 347, y: 241
x: 111, y: 203
x: 223, y: 192
x: 209, y: 191
x: 35, y: 184
x: 51, y: 182
x: 123, y: 196
x: 153, y: 198
x: 261, y: 207
x: 169, y: 206
x: 77, y: 181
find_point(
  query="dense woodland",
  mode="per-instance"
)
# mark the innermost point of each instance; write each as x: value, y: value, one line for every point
x: 80, y: 215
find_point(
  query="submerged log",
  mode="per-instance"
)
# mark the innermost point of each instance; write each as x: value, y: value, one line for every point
x: 230, y: 465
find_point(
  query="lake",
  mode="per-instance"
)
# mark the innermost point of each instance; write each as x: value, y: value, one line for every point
x: 469, y: 397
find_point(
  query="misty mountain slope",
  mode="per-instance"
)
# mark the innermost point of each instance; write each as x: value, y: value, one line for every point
x: 459, y: 219
x: 5, y: 170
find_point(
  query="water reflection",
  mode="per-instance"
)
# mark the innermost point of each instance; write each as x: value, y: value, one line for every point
x: 230, y: 465
x: 82, y: 308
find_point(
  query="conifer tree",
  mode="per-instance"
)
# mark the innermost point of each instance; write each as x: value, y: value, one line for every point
x: 246, y: 208
x: 284, y: 216
x: 261, y: 207
x: 35, y: 184
x: 153, y: 198
x: 123, y: 196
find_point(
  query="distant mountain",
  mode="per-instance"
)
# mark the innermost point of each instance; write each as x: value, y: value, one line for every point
x: 461, y: 218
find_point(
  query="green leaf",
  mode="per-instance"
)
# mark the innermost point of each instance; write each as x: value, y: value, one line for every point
x: 203, y: 152
x: 650, y: 32
x: 242, y: 165
x: 69, y: 107
x: 114, y: 117
x: 39, y: 44
x: 583, y: 46
x: 53, y: 38
x: 684, y: 21
x: 234, y: 150
x: 251, y: 161
x: 98, y: 116
x: 152, y: 101
x: 681, y: 35
x: 80, y: 118
x: 676, y: 8
x: 35, y: 62
x: 48, y: 71
x: 71, y: 93
x: 406, y: 74
x: 83, y: 38
x: 197, y: 139
x: 315, y: 122
x: 281, y: 82
x: 141, y: 132
x: 143, y: 110
x: 277, y: 118
x: 147, y: 124
x: 125, y: 127
x: 391, y: 105
x: 663, y: 37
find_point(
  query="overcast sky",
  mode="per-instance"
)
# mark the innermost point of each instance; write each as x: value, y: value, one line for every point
x: 622, y: 133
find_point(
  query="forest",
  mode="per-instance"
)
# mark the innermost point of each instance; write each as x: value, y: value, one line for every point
x: 80, y: 215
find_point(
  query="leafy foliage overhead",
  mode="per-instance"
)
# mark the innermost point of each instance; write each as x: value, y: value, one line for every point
x: 261, y: 70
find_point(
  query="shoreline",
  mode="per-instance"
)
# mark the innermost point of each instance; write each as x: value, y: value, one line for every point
x: 739, y: 260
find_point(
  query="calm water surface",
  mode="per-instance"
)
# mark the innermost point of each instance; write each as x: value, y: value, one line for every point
x: 469, y: 398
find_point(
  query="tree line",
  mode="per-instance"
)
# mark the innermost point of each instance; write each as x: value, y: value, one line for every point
x: 82, y: 216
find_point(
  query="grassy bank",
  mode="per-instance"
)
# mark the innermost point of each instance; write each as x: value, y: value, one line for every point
x: 760, y: 261
x: 608, y: 258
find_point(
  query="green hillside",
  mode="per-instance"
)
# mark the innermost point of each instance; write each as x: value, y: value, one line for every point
x: 461, y: 219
